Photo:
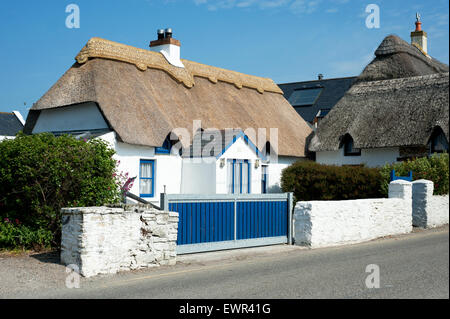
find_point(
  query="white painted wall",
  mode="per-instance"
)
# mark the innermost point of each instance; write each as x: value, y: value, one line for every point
x: 101, y: 240
x: 275, y: 171
x: 428, y: 210
x: 77, y: 117
x: 370, y: 157
x: 239, y: 150
x: 167, y: 167
x: 194, y: 175
x: 2, y: 137
x: 198, y: 178
x: 332, y: 223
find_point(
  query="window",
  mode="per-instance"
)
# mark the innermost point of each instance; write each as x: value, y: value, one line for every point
x: 305, y: 97
x: 438, y: 142
x: 349, y: 150
x: 165, y: 148
x: 264, y: 178
x: 238, y: 176
x: 147, y: 178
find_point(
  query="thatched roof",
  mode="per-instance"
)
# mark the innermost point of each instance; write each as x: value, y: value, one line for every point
x: 401, y: 108
x: 143, y: 98
x: 395, y: 58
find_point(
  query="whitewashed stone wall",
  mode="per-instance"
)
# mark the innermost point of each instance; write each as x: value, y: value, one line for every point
x: 428, y: 210
x: 103, y: 240
x: 332, y: 223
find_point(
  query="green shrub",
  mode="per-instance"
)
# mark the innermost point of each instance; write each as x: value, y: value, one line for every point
x: 434, y: 168
x: 312, y: 181
x: 15, y: 235
x: 40, y: 174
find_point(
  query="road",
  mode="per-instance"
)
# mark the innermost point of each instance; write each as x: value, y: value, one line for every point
x: 410, y: 266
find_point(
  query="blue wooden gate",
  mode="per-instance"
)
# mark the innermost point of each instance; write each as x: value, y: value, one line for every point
x: 215, y: 222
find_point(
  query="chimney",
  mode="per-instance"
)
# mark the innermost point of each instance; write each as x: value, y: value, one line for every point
x: 419, y: 37
x: 320, y: 77
x: 168, y: 47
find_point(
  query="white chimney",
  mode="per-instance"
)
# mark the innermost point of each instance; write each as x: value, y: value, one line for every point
x: 168, y: 47
x: 419, y: 37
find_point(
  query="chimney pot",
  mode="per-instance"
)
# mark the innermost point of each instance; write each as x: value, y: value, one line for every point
x: 160, y: 34
x: 168, y: 47
x: 168, y: 33
x: 320, y: 76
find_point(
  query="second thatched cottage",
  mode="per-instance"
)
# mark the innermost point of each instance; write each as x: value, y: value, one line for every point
x: 397, y: 109
x: 176, y: 125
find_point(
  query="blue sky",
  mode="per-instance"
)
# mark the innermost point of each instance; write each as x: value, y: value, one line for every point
x: 286, y: 40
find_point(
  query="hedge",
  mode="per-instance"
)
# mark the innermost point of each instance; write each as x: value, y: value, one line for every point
x: 312, y: 181
x: 434, y: 168
x: 40, y: 174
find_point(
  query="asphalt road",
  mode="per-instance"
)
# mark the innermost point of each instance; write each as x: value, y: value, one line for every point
x: 410, y: 266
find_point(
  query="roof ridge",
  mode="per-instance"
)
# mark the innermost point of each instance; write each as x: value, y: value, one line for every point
x: 330, y: 79
x: 390, y: 84
x: 143, y: 59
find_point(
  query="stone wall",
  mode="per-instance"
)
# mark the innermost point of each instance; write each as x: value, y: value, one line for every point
x: 331, y: 223
x: 429, y: 210
x: 102, y: 240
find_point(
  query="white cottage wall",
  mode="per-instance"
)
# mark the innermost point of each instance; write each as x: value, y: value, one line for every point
x: 198, y: 177
x: 242, y: 151
x: 370, y: 157
x: 275, y: 171
x: 167, y: 167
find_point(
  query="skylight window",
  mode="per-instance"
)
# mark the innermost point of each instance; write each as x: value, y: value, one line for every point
x: 305, y: 97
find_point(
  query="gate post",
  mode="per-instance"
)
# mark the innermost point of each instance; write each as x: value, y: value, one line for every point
x: 290, y: 199
x: 164, y: 202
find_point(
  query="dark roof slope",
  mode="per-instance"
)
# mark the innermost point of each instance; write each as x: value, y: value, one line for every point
x: 207, y: 143
x: 333, y: 91
x: 395, y: 58
x: 10, y: 125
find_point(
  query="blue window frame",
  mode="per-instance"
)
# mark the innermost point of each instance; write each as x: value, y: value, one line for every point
x: 165, y: 148
x: 239, y: 177
x: 147, y: 178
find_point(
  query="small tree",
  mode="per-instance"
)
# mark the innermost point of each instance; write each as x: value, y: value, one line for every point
x: 40, y: 174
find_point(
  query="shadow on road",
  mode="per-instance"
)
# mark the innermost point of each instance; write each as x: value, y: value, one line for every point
x: 52, y: 257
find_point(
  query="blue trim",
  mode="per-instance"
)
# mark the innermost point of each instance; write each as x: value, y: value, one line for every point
x: 164, y: 149
x: 147, y: 178
x: 408, y: 178
x: 232, y: 185
x: 161, y: 150
x: 240, y: 180
x: 249, y: 177
x: 252, y: 146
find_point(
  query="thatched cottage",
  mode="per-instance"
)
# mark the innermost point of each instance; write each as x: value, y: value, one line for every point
x: 150, y: 105
x: 397, y: 109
